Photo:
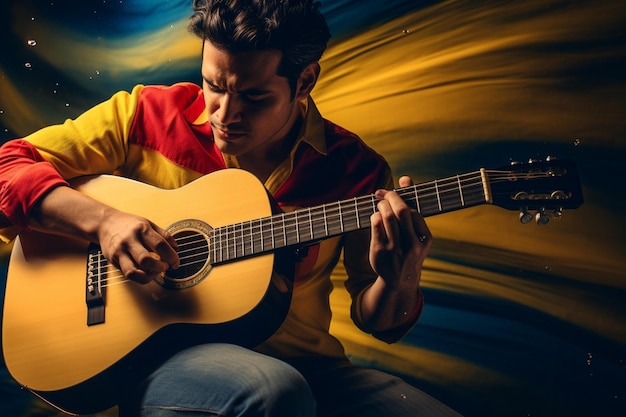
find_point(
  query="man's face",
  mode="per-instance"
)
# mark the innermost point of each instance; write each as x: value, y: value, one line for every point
x: 249, y: 106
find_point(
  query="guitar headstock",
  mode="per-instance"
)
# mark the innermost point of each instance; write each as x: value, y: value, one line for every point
x: 543, y: 187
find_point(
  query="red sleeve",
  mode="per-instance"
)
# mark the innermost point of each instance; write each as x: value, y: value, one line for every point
x: 24, y: 178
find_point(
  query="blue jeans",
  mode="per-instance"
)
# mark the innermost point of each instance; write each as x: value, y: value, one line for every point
x: 230, y: 381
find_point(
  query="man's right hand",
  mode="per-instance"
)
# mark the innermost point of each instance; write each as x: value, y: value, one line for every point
x: 141, y: 249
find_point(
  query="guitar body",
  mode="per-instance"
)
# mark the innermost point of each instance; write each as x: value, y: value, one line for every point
x: 51, y: 350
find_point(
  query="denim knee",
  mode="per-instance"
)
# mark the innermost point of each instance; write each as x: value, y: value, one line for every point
x: 226, y: 380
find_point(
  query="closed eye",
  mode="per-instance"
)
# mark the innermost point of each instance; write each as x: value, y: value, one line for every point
x: 253, y: 95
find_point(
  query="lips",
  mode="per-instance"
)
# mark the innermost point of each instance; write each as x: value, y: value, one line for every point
x: 228, y: 134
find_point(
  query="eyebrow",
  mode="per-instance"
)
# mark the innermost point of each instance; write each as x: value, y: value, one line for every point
x: 249, y: 92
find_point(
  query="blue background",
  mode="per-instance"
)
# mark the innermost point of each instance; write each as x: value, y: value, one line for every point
x: 520, y: 320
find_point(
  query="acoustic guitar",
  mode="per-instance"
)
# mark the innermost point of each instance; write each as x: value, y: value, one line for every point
x: 76, y: 333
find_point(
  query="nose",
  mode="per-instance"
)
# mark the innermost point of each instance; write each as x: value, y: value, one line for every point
x: 227, y: 109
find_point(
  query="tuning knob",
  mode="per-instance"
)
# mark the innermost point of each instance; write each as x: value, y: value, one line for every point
x: 525, y: 216
x: 542, y: 218
x: 558, y: 213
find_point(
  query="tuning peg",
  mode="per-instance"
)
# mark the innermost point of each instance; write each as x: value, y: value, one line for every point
x: 525, y: 216
x: 542, y: 218
x: 558, y: 195
x: 558, y: 213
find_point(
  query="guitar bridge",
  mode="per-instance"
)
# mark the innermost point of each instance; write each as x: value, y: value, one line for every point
x: 94, y: 285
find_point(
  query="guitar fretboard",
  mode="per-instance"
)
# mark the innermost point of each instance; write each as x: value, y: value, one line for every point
x: 305, y: 226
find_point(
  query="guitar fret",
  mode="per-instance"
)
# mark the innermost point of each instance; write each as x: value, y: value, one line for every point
x: 224, y: 248
x: 476, y: 193
x: 297, y: 229
x: 282, y: 218
x: 417, y: 200
x: 341, y: 225
x: 291, y: 228
x: 458, y: 180
x: 252, y: 238
x: 234, y: 244
x: 221, y: 247
x: 364, y: 214
x: 231, y: 237
x: 450, y: 197
x: 243, y: 240
x: 428, y: 201
x: 249, y: 238
x: 213, y: 246
x: 267, y: 227
x: 438, y: 196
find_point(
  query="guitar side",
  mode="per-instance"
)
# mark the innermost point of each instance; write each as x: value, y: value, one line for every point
x: 50, y: 349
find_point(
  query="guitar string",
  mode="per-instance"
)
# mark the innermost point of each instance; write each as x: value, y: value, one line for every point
x: 108, y: 269
x: 442, y: 187
x: 239, y: 237
x: 332, y: 226
x: 235, y: 236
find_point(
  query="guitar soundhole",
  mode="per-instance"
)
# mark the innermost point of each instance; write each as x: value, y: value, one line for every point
x: 193, y: 253
x: 192, y: 237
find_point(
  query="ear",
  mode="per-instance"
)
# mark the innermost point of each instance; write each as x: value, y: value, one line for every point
x: 307, y: 80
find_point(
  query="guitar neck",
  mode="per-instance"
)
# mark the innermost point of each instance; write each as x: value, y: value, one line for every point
x: 309, y: 225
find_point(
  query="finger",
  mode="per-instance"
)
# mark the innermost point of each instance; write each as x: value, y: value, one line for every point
x: 165, y: 246
x: 146, y: 260
x: 378, y: 230
x: 389, y: 228
x: 134, y: 273
x: 405, y: 181
x: 422, y: 232
x: 401, y: 215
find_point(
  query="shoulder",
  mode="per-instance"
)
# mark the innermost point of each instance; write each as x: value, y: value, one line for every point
x: 181, y: 101
x: 181, y: 89
x: 339, y: 139
x: 359, y: 157
x: 181, y: 94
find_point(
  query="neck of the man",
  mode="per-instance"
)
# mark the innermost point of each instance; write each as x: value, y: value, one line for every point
x: 262, y: 162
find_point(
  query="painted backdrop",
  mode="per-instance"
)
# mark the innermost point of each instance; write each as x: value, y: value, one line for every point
x: 521, y: 320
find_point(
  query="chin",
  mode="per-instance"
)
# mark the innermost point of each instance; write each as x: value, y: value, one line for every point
x: 228, y: 148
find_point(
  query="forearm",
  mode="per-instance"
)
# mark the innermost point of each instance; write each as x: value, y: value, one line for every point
x: 385, y: 307
x: 66, y: 211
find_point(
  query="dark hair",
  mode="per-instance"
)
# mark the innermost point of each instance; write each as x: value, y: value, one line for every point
x: 294, y: 27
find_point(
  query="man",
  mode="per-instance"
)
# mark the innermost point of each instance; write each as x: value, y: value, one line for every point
x: 253, y: 112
